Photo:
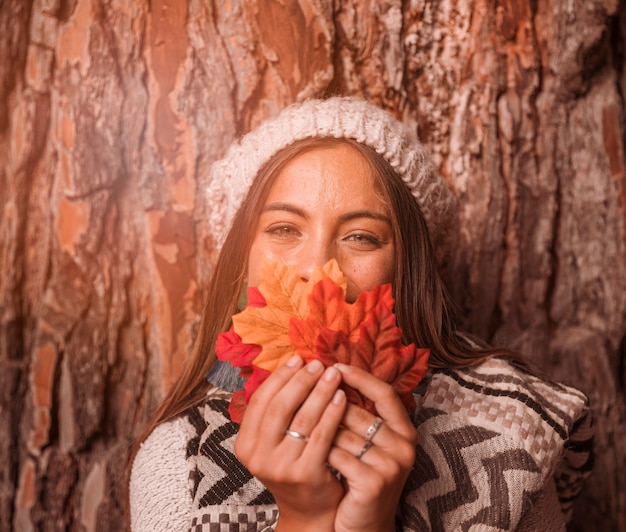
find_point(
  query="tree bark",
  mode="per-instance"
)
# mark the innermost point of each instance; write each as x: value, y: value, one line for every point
x: 111, y: 114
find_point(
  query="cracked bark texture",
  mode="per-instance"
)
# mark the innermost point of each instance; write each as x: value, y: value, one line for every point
x: 111, y: 113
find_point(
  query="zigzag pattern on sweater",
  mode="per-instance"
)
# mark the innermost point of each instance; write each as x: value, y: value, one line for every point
x: 490, y: 441
x: 469, y: 474
x: 219, y: 475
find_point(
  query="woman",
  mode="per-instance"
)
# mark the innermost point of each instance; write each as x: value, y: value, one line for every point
x: 490, y: 446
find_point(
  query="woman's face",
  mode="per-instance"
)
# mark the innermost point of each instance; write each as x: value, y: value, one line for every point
x: 323, y: 205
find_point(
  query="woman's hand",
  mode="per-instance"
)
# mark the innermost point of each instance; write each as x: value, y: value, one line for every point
x: 373, y: 481
x: 305, y: 399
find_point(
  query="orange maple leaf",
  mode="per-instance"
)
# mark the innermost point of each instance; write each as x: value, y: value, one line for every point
x: 329, y: 309
x: 286, y: 295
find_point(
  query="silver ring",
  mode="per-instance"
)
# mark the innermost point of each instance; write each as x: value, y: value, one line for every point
x: 364, y: 449
x: 373, y: 429
x: 295, y: 434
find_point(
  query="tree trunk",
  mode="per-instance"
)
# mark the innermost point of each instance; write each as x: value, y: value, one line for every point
x: 111, y: 114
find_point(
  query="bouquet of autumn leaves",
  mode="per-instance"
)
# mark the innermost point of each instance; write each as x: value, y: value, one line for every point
x: 285, y: 316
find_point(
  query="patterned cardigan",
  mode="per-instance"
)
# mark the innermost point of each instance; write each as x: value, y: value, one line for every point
x: 499, y: 449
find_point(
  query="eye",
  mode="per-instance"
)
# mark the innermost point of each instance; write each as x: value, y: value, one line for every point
x: 364, y: 240
x: 283, y: 231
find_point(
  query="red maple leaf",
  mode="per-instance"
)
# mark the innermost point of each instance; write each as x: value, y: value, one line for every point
x: 373, y: 342
x: 230, y: 347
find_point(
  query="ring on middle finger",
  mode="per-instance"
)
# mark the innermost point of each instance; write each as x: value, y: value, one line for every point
x: 373, y: 429
x: 364, y: 449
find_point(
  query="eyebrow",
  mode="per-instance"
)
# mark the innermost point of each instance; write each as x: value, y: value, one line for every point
x: 343, y: 218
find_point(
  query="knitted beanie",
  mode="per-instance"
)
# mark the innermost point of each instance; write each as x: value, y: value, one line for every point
x: 337, y: 117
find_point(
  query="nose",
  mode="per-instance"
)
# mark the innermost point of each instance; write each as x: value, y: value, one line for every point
x: 313, y: 255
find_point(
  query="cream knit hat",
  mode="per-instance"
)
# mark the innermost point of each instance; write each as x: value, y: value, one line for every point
x: 338, y: 117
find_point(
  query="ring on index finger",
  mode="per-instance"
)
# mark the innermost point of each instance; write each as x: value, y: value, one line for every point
x: 373, y: 429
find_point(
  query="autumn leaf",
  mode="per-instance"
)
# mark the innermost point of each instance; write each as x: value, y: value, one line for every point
x: 230, y: 347
x: 376, y: 347
x: 286, y: 315
x: 254, y: 378
x: 329, y: 309
x: 287, y: 297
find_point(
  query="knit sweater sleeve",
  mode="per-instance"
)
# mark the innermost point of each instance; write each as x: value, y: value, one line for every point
x: 499, y: 449
x: 160, y: 498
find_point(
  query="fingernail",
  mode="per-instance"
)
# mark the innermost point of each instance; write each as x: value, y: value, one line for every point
x: 314, y: 366
x: 330, y: 374
x: 344, y: 368
x: 339, y: 397
x: 293, y: 361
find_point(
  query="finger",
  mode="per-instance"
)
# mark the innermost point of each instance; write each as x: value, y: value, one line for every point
x: 367, y: 426
x: 280, y: 409
x: 323, y: 434
x: 311, y: 410
x: 252, y: 421
x: 316, y: 420
x: 359, y: 460
x: 386, y: 440
x: 275, y: 402
x: 351, y: 454
x: 356, y: 445
x: 276, y: 380
x: 388, y: 404
x: 372, y: 478
x: 373, y: 429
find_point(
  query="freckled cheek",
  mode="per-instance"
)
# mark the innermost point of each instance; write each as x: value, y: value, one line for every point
x: 261, y: 251
x: 364, y: 277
